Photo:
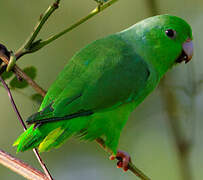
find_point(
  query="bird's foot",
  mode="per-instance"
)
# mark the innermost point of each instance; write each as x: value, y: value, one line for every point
x: 123, y: 159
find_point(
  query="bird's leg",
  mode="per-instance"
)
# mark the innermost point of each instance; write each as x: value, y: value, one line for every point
x: 123, y: 159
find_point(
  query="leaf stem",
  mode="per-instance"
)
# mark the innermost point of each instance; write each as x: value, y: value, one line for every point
x: 42, y: 20
x: 31, y: 46
x: 84, y: 19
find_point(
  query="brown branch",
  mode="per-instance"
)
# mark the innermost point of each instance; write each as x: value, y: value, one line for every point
x: 31, y: 82
x: 20, y: 167
x: 131, y: 166
x: 21, y: 74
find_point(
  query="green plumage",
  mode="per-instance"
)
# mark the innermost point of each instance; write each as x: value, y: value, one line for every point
x: 103, y: 83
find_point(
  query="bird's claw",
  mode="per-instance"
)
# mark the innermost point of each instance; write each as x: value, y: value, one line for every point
x: 123, y: 160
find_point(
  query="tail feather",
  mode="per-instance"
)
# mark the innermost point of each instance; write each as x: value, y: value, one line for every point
x: 29, y: 139
x: 51, y: 135
x: 49, y: 140
x: 33, y: 136
x: 43, y: 137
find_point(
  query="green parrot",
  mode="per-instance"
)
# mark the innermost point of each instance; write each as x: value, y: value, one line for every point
x: 104, y: 82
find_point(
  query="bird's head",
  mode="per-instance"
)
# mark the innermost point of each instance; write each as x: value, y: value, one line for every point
x: 178, y: 34
x: 164, y: 40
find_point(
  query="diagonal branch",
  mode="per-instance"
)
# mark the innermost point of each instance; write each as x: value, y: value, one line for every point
x: 21, y: 74
x: 131, y: 166
x: 20, y: 167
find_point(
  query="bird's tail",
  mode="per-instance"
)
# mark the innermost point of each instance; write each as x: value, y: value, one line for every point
x: 31, y: 138
x: 36, y: 137
x: 45, y: 136
x: 37, y: 134
x: 50, y: 135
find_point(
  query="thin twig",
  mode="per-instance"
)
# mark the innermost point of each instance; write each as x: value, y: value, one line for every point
x: 42, y: 164
x: 20, y: 73
x: 131, y: 166
x: 84, y: 19
x: 43, y: 18
x: 20, y: 167
x: 37, y: 45
x: 30, y: 81
x: 24, y: 127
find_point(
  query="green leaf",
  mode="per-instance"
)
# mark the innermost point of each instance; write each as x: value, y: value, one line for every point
x: 6, y: 75
x: 37, y: 97
x: 30, y: 71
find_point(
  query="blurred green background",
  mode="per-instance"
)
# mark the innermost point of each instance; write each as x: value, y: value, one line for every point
x: 147, y: 135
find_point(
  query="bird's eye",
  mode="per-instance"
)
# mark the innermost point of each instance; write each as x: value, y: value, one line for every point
x: 170, y: 33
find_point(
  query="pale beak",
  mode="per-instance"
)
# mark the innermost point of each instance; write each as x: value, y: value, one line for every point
x: 187, y: 51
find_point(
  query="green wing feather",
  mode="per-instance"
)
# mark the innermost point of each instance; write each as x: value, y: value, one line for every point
x: 98, y: 79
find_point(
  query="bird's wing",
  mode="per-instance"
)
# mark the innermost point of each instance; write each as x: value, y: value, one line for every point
x: 114, y: 77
